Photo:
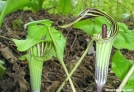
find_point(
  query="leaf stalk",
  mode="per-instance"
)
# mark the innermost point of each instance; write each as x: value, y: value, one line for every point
x: 131, y: 71
x: 76, y: 66
x: 62, y: 62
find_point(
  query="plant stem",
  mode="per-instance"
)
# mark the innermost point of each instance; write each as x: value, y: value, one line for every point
x: 131, y: 71
x: 35, y: 67
x: 75, y: 67
x: 68, y: 76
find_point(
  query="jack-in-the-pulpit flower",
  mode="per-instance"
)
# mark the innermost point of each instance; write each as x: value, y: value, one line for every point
x: 103, y: 51
x: 104, y: 41
x: 42, y: 43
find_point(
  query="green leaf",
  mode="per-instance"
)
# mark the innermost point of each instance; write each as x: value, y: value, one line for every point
x: 64, y: 6
x: 2, y: 4
x: 125, y: 38
x: 59, y: 42
x: 85, y: 25
x: 12, y: 5
x: 120, y: 65
x: 35, y: 5
x: 2, y: 69
x: 36, y: 32
x: 92, y: 26
x: 40, y: 3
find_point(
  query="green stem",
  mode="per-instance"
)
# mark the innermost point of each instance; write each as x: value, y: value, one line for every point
x: 35, y: 68
x: 66, y: 71
x: 61, y: 61
x: 75, y: 67
x: 131, y: 71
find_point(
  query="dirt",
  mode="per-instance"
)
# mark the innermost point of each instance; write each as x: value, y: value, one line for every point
x: 16, y: 77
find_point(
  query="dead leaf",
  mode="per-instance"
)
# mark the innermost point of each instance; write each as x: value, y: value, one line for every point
x: 53, y: 87
x: 24, y: 86
x: 15, y: 80
x: 7, y: 53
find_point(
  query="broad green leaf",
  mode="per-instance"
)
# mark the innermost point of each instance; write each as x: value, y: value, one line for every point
x: 92, y: 26
x: 59, y: 42
x: 120, y: 42
x: 12, y: 5
x: 2, y: 3
x: 64, y: 6
x: 126, y: 33
x: 122, y: 27
x: 47, y: 4
x: 41, y: 3
x: 36, y: 32
x: 35, y: 5
x: 120, y: 65
x: 86, y: 26
x: 2, y: 69
x: 125, y: 38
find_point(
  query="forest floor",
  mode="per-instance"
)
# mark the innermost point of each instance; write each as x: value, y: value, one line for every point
x: 16, y: 77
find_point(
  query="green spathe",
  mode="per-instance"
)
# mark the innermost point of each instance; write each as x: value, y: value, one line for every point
x: 103, y: 51
x: 35, y: 73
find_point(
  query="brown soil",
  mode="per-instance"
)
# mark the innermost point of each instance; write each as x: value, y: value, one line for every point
x: 16, y: 77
